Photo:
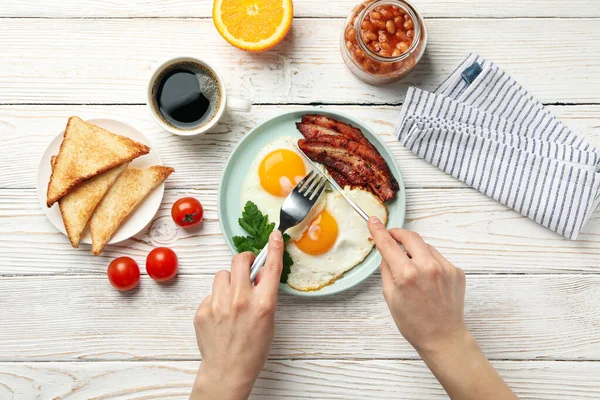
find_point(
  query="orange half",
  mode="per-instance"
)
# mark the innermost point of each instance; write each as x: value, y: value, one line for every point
x: 253, y: 25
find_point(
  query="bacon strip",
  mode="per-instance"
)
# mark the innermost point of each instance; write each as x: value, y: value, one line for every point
x: 371, y: 156
x: 338, y: 177
x: 312, y: 131
x: 337, y: 126
x: 348, y: 156
x: 357, y: 170
x: 350, y: 174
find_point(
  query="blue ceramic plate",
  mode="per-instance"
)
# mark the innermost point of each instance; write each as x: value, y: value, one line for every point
x: 229, y: 201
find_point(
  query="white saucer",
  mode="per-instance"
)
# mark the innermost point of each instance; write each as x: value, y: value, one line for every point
x: 140, y: 217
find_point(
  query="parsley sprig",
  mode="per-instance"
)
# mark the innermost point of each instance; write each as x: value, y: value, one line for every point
x: 257, y: 225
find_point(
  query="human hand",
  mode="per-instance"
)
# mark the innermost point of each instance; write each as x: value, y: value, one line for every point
x: 235, y: 326
x: 424, y: 292
x: 426, y: 295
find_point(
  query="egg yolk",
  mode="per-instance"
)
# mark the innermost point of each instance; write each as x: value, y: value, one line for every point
x: 280, y: 171
x: 320, y: 235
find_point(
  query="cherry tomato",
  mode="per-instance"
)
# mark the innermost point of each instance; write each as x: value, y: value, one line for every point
x: 187, y: 211
x: 123, y: 273
x: 161, y: 264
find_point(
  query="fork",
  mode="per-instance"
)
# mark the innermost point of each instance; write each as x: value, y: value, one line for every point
x: 294, y: 210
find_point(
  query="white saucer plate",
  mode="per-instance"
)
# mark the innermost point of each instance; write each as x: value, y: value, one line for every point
x: 140, y: 217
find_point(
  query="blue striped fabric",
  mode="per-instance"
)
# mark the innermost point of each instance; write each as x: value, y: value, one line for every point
x: 483, y: 128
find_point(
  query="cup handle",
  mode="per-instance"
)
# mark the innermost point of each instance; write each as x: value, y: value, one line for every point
x: 238, y: 104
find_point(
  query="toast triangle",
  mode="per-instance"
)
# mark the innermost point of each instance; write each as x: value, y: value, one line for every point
x: 132, y: 186
x: 86, y: 151
x: 77, y: 206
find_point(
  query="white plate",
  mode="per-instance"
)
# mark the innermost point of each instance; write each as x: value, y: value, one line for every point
x: 140, y: 217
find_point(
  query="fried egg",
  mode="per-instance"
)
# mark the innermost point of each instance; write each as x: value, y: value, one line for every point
x: 333, y: 238
x: 335, y: 241
x: 273, y: 174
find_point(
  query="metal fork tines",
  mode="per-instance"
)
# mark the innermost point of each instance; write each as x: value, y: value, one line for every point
x: 294, y: 210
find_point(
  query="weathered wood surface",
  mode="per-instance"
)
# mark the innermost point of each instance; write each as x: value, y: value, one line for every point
x: 110, y: 60
x: 293, y: 379
x: 550, y: 317
x: 475, y: 233
x: 302, y: 8
x: 27, y: 130
x: 533, y: 298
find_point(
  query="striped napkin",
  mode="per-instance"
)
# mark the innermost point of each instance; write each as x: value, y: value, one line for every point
x: 483, y: 128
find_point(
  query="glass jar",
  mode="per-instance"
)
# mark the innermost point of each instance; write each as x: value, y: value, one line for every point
x: 383, y: 40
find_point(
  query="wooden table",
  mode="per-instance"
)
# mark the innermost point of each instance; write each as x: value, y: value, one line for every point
x: 533, y: 298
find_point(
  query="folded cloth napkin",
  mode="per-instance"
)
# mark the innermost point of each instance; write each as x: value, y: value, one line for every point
x: 483, y: 128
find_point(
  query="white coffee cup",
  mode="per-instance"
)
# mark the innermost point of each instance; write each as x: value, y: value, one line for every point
x: 225, y: 102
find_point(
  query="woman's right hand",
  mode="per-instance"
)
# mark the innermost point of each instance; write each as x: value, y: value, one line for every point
x: 424, y: 292
x: 426, y: 296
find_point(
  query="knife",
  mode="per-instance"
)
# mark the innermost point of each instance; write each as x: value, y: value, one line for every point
x: 336, y: 187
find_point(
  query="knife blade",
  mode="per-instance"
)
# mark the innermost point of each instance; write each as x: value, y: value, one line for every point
x: 337, y: 187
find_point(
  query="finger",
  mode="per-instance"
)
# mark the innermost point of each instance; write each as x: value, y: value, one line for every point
x: 412, y: 242
x: 387, y: 246
x: 460, y: 273
x: 258, y: 277
x: 439, y: 257
x: 202, y: 312
x: 387, y: 279
x: 206, y: 301
x: 240, y: 271
x: 271, y: 272
x: 221, y: 283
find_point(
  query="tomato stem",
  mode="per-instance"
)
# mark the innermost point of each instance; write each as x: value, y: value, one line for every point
x: 189, y: 217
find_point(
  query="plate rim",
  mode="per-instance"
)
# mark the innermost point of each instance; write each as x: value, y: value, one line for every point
x: 282, y: 286
x: 41, y: 194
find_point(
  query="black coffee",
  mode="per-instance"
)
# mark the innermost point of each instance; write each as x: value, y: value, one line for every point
x: 186, y: 95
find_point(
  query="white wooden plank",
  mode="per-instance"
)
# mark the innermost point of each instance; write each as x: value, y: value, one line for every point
x: 294, y: 380
x: 27, y: 130
x: 109, y: 61
x: 473, y: 231
x: 302, y: 8
x: 83, y: 318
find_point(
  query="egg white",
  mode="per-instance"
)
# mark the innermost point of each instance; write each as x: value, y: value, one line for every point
x: 267, y: 203
x: 353, y: 244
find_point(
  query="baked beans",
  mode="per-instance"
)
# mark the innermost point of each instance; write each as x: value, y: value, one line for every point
x: 386, y: 24
x: 384, y: 31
